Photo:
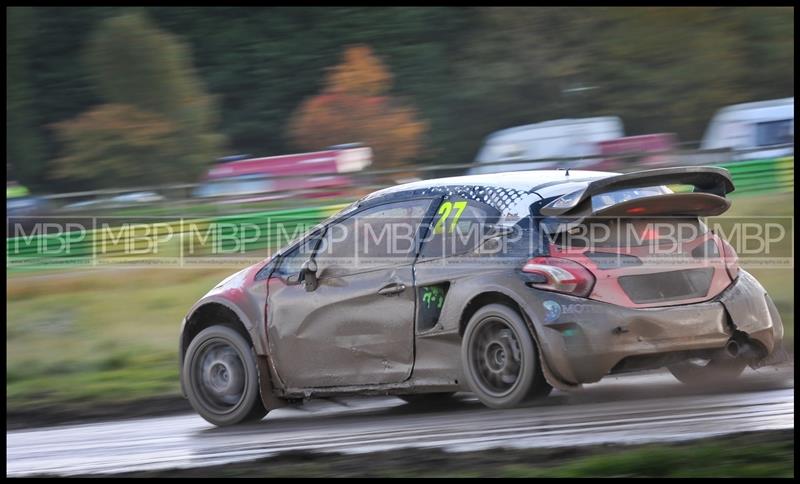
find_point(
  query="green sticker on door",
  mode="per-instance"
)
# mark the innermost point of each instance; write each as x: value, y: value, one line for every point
x: 431, y: 301
x: 433, y: 295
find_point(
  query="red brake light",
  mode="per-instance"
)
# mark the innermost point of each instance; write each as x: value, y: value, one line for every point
x: 561, y: 275
x: 650, y: 234
x: 731, y: 258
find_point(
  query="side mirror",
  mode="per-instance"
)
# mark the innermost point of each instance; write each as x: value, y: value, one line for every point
x: 308, y: 274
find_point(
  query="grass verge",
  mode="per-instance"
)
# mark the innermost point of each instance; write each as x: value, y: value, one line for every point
x: 97, y: 337
x: 756, y: 454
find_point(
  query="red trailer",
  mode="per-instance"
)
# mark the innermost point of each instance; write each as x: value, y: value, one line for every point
x: 315, y: 174
x: 650, y: 149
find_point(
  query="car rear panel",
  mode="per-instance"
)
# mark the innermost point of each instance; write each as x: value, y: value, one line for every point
x: 647, y: 262
x: 583, y: 340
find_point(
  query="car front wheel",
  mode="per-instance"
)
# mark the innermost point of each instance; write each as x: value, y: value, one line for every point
x: 499, y: 358
x: 221, y: 378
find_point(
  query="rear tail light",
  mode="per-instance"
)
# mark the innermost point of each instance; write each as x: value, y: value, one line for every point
x: 560, y: 275
x: 730, y: 258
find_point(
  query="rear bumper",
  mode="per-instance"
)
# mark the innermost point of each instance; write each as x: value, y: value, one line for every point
x: 584, y: 340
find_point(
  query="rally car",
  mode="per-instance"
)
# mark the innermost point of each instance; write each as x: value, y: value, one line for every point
x: 504, y: 285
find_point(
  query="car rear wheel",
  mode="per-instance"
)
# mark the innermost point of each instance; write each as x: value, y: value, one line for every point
x: 221, y: 378
x: 705, y: 371
x: 499, y: 357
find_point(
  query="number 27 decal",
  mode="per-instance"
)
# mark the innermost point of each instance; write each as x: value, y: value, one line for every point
x: 444, y: 211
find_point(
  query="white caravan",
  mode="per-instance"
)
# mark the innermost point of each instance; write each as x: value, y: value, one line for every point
x: 561, y: 138
x: 755, y: 130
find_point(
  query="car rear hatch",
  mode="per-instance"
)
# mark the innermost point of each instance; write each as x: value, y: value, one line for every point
x: 644, y: 244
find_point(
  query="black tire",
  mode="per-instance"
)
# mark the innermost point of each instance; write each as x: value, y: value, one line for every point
x: 719, y: 370
x: 427, y: 398
x: 221, y: 378
x: 500, y: 360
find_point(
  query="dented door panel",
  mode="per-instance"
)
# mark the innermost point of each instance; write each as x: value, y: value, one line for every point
x: 344, y: 332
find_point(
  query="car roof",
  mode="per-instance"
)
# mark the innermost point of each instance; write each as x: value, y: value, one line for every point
x: 511, y: 193
x: 526, y: 181
x: 514, y: 191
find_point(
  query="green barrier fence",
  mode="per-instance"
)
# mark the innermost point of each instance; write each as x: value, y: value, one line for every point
x: 771, y: 175
x: 166, y: 240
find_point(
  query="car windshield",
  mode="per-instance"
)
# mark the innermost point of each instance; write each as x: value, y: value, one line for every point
x: 341, y: 212
x: 605, y: 200
x: 321, y: 224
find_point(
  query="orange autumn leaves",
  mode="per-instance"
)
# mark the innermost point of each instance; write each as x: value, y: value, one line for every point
x: 354, y: 106
x: 118, y: 143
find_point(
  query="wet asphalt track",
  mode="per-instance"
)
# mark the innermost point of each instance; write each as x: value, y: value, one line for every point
x: 632, y: 409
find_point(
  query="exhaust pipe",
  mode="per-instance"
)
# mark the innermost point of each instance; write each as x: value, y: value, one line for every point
x: 732, y: 348
x: 744, y: 349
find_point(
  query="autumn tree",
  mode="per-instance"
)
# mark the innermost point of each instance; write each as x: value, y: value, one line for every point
x: 131, y: 61
x: 120, y: 145
x: 355, y: 106
x: 146, y: 73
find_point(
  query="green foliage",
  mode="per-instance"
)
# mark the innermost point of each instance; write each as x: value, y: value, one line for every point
x: 660, y: 69
x: 68, y: 341
x: 120, y: 145
x: 698, y: 460
x: 469, y: 71
x: 667, y: 69
x: 133, y: 62
x: 23, y: 144
x: 767, y: 50
x: 158, y: 125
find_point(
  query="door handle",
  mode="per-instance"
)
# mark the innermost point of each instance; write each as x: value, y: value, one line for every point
x: 392, y: 289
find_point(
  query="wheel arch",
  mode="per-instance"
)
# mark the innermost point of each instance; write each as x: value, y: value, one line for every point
x: 496, y: 296
x: 212, y: 312
x: 481, y: 300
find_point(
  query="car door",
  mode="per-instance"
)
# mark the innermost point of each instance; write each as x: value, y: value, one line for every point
x: 357, y: 326
x: 448, y: 253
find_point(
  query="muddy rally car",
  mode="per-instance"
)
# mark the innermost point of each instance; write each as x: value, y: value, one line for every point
x: 503, y: 285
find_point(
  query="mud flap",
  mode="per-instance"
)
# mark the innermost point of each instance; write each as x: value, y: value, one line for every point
x: 549, y: 376
x: 268, y: 398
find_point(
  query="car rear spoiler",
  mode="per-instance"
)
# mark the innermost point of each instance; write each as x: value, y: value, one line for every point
x: 705, y: 179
